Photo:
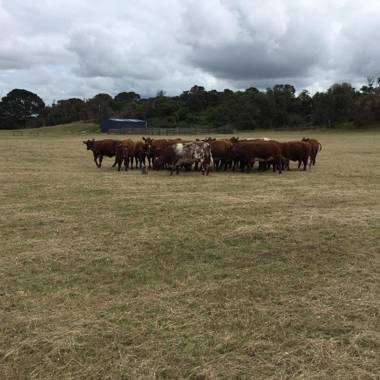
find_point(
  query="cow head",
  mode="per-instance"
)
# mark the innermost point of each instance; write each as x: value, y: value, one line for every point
x: 234, y: 139
x: 305, y: 139
x: 147, y: 144
x: 209, y: 139
x: 89, y: 144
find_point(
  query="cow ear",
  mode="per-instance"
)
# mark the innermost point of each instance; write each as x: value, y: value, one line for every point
x: 144, y: 138
x: 84, y: 142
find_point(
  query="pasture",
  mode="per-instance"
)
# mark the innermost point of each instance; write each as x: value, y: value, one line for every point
x: 119, y: 275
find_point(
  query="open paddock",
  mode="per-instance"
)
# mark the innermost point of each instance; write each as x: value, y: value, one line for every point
x: 119, y: 275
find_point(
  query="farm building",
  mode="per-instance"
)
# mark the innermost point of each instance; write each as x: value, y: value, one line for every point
x: 120, y: 124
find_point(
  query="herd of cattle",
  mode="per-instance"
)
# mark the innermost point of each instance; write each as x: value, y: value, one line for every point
x: 206, y: 154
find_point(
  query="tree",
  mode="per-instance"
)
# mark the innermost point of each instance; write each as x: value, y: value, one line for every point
x: 66, y: 111
x: 341, y: 98
x: 160, y: 93
x: 304, y: 105
x: 100, y: 107
x: 127, y: 97
x: 322, y: 109
x: 20, y: 105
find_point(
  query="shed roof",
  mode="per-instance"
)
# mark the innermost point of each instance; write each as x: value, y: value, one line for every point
x: 128, y: 120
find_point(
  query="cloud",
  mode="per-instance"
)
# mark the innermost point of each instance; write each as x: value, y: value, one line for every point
x: 262, y: 42
x: 61, y: 49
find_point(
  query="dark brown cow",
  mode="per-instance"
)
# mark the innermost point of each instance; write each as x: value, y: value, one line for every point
x: 121, y: 155
x: 315, y: 147
x: 221, y: 152
x: 102, y: 148
x: 295, y: 151
x: 165, y: 158
x: 140, y: 153
x: 130, y: 146
x: 154, y: 147
x: 247, y: 152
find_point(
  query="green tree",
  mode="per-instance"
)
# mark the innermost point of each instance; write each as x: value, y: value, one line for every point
x: 127, y: 97
x: 19, y: 106
x: 100, y: 107
x: 341, y: 98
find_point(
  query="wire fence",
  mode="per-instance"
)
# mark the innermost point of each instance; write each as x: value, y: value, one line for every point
x: 172, y: 131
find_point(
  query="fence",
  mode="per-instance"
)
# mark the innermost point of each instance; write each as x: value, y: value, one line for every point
x: 172, y: 131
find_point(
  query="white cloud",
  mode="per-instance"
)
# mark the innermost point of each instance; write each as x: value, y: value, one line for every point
x: 61, y: 49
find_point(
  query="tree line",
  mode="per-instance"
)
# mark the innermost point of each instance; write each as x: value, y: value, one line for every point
x: 276, y: 107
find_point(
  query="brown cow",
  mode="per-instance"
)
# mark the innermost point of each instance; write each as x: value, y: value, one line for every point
x: 165, y: 158
x: 121, y: 155
x: 140, y: 153
x: 131, y: 150
x: 153, y: 148
x: 129, y: 145
x: 315, y: 147
x: 220, y: 150
x: 102, y: 148
x: 295, y: 151
x: 248, y: 151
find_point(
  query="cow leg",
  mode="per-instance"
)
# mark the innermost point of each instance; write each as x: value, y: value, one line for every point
x: 96, y: 160
x: 100, y: 161
x: 116, y: 162
x: 277, y: 163
x: 203, y: 167
x: 177, y: 169
x: 207, y: 168
x: 305, y: 163
x: 299, y: 163
x: 250, y: 164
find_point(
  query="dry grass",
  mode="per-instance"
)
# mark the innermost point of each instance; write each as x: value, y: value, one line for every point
x: 107, y: 275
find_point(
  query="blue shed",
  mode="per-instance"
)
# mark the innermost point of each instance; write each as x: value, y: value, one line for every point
x: 120, y: 124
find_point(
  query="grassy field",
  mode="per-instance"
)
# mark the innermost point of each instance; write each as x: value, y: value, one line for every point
x: 107, y: 275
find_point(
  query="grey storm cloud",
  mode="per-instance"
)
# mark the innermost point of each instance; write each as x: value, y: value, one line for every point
x: 61, y: 49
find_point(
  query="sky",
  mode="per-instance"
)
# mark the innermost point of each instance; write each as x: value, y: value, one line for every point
x: 79, y: 48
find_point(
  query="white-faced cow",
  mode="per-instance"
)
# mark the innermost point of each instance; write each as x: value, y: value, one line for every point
x: 184, y: 154
x: 189, y: 153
